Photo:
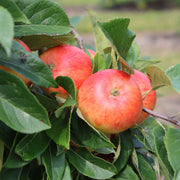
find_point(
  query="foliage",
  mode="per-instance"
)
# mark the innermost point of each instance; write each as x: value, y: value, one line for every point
x: 39, y: 139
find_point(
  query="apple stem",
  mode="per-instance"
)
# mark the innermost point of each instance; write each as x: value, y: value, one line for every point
x: 79, y: 40
x: 166, y: 118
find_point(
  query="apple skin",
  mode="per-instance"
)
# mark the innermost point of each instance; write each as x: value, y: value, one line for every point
x: 92, y: 53
x: 110, y: 100
x: 150, y: 100
x: 26, y: 81
x: 67, y: 60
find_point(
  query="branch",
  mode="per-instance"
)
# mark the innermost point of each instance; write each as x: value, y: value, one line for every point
x: 166, y: 118
x: 79, y: 40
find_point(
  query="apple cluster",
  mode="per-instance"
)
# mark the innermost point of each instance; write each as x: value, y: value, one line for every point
x: 110, y: 100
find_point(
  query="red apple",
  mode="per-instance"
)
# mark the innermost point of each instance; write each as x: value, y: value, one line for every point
x: 67, y: 60
x: 110, y: 100
x: 26, y: 81
x: 92, y: 53
x: 150, y: 100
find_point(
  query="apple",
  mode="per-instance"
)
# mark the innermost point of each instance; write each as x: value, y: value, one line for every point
x: 92, y: 53
x: 110, y: 100
x: 26, y: 81
x: 67, y: 60
x: 149, y: 100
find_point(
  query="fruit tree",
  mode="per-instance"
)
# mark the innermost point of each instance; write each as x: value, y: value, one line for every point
x: 69, y: 112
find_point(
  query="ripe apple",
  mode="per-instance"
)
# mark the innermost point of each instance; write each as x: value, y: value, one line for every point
x: 110, y: 100
x: 150, y: 100
x: 26, y: 81
x: 67, y: 60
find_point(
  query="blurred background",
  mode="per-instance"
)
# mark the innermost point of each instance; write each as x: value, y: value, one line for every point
x: 157, y: 27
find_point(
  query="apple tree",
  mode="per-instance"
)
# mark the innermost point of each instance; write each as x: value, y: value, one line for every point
x: 43, y: 138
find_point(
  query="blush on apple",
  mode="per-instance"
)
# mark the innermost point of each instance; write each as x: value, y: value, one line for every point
x: 149, y: 100
x: 67, y: 60
x: 26, y: 81
x: 110, y: 100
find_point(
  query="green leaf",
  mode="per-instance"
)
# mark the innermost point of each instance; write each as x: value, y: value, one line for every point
x: 13, y: 160
x: 19, y: 109
x: 90, y: 165
x: 145, y: 169
x: 173, y: 73
x: 120, y: 37
x: 67, y: 172
x: 83, y: 134
x: 125, y: 151
x: 60, y: 130
x: 9, y: 174
x: 99, y: 63
x: 31, y: 146
x: 1, y: 153
x: 54, y: 165
x: 29, y: 65
x: 157, y: 76
x: 16, y: 13
x: 161, y: 152
x: 68, y: 84
x: 6, y: 29
x: 172, y: 143
x: 101, y: 41
x: 133, y: 54
x: 127, y: 174
x: 6, y: 134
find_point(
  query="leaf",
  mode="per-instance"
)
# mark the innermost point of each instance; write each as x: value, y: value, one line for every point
x: 99, y: 63
x: 172, y: 143
x: 19, y: 109
x: 133, y: 54
x: 16, y: 13
x: 29, y: 65
x: 83, y: 134
x: 6, y: 134
x: 101, y: 41
x: 157, y: 76
x: 173, y: 73
x: 67, y: 172
x: 31, y: 146
x: 9, y: 174
x: 161, y: 152
x: 1, y: 153
x: 6, y: 29
x: 60, y: 130
x: 145, y: 169
x: 90, y: 165
x: 54, y: 165
x: 127, y: 174
x: 120, y: 37
x: 125, y: 151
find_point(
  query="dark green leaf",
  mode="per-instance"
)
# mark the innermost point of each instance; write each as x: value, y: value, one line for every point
x: 125, y: 151
x: 6, y: 134
x: 54, y: 165
x: 99, y: 63
x: 90, y: 165
x: 127, y: 174
x: 60, y: 131
x: 32, y: 146
x: 28, y: 64
x: 157, y: 76
x: 1, y: 153
x: 161, y: 152
x: 174, y: 74
x: 172, y: 143
x: 6, y: 29
x: 145, y: 169
x: 16, y: 13
x: 83, y: 134
x: 19, y: 109
x: 9, y: 174
x: 120, y: 37
x: 24, y: 175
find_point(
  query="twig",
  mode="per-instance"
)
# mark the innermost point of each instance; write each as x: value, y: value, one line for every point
x: 166, y: 118
x: 79, y: 40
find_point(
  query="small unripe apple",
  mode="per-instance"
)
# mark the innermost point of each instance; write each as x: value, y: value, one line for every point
x: 110, y: 100
x: 67, y: 60
x: 26, y: 81
x: 149, y: 100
